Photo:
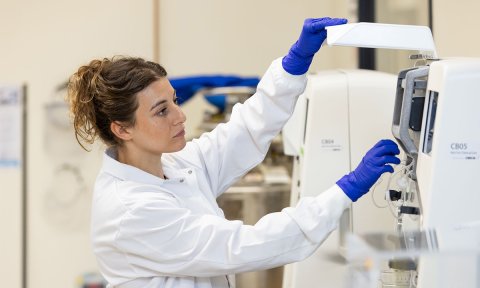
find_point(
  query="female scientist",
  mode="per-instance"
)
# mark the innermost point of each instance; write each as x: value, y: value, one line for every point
x: 155, y: 221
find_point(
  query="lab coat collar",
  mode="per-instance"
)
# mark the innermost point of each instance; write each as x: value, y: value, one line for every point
x: 127, y: 172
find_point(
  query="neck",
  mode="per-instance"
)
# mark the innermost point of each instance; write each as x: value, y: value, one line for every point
x: 149, y: 163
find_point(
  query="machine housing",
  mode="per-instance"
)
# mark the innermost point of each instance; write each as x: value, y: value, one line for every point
x: 340, y: 116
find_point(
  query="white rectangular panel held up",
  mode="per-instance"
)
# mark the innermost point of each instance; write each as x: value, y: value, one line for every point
x: 380, y: 35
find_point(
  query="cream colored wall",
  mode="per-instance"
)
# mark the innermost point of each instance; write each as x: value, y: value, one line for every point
x: 240, y: 37
x: 455, y: 28
x: 42, y: 43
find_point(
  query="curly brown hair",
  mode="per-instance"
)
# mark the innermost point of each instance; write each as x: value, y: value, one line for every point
x: 104, y: 91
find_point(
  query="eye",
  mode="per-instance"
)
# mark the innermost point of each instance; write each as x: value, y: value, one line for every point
x: 162, y: 112
x: 175, y: 101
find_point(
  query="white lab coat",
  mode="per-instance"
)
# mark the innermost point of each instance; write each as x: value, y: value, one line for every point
x: 150, y: 232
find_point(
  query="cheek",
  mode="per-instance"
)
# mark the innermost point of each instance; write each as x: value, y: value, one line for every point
x: 147, y: 128
x: 159, y: 128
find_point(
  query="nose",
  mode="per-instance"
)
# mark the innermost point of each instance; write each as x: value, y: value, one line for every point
x: 180, y: 117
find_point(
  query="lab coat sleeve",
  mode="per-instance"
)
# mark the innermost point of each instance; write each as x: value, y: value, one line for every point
x: 164, y: 239
x: 235, y: 147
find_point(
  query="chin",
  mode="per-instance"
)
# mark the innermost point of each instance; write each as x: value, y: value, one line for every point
x: 182, y: 145
x: 178, y: 147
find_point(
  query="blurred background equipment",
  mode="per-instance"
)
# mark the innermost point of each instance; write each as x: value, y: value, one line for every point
x: 67, y: 196
x: 91, y: 280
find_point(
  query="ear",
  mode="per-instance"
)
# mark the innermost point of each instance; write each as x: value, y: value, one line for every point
x: 120, y: 131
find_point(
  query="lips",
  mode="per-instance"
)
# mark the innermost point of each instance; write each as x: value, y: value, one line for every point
x: 180, y: 134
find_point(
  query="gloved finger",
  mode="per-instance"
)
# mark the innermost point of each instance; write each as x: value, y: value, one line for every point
x: 386, y: 150
x: 327, y: 20
x: 387, y: 168
x: 310, y: 26
x: 312, y: 20
x: 381, y: 161
x: 318, y: 25
x: 384, y: 142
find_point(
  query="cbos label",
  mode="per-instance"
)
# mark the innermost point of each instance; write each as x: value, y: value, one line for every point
x: 459, y: 146
x: 327, y: 141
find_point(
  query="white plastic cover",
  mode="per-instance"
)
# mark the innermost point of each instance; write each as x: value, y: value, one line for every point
x: 380, y: 35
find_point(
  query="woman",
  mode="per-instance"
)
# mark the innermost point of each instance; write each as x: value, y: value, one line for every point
x: 155, y: 221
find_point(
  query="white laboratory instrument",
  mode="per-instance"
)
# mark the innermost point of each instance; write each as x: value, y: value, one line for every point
x: 442, y: 142
x: 341, y: 114
x: 436, y: 122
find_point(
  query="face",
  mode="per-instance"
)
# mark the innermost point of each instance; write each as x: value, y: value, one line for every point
x: 159, y: 121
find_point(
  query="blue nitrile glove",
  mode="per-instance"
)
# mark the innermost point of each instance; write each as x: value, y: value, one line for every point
x: 373, y: 165
x: 313, y: 34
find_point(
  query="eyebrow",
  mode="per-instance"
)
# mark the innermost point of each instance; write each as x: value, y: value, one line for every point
x: 163, y: 101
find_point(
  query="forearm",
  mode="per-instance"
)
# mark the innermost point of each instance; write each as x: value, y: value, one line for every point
x: 213, y: 246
